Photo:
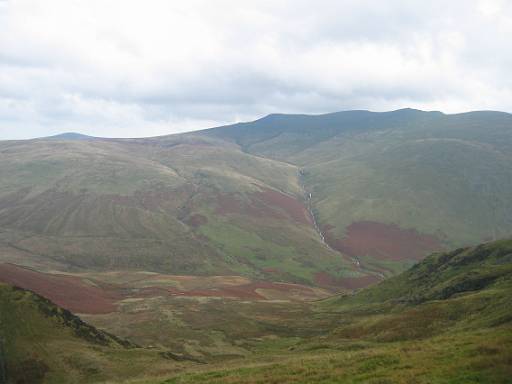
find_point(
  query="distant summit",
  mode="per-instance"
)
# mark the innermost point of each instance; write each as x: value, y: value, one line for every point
x: 71, y: 136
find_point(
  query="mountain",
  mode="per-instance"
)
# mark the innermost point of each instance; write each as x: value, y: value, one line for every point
x: 43, y: 343
x: 337, y: 200
x: 183, y: 205
x: 390, y: 187
x: 71, y: 136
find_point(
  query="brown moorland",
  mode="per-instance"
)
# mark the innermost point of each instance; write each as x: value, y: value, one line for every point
x: 383, y: 241
x: 69, y: 292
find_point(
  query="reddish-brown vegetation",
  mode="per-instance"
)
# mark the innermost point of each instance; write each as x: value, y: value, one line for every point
x: 383, y: 241
x: 245, y: 291
x: 266, y: 203
x: 197, y: 220
x: 69, y: 292
x: 83, y: 295
x: 290, y: 205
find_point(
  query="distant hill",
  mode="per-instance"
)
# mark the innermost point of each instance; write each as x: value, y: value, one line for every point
x: 391, y: 187
x: 186, y: 205
x: 71, y: 136
x: 338, y: 200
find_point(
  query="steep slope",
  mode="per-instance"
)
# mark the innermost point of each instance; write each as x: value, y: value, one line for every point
x: 42, y: 343
x: 389, y: 188
x: 476, y: 282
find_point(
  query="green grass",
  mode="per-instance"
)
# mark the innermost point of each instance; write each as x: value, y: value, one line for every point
x: 449, y: 176
x: 42, y: 343
x: 435, y: 323
x: 441, y: 276
x: 248, y: 247
x: 456, y: 191
x: 482, y: 357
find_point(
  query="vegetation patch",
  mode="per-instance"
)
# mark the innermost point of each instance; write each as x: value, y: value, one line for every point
x: 384, y: 242
x: 70, y: 292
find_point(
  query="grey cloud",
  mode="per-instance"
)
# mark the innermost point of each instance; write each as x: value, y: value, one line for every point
x: 124, y: 68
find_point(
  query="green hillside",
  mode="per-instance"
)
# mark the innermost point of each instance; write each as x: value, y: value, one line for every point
x: 391, y: 187
x: 337, y: 200
x: 182, y: 205
x: 466, y: 288
x: 42, y: 343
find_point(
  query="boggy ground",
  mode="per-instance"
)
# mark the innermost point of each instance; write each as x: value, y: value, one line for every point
x: 207, y: 317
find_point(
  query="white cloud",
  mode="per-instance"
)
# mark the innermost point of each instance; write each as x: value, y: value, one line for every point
x: 140, y: 68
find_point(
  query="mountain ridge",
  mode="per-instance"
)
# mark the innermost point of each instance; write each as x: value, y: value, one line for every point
x: 79, y: 136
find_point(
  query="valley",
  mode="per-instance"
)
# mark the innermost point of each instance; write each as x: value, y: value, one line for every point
x: 291, y: 249
x: 445, y: 319
x: 255, y: 192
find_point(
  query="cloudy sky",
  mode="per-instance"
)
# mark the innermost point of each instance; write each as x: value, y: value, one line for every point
x: 126, y: 68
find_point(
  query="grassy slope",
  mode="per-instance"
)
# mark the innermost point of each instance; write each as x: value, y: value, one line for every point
x: 153, y: 204
x: 447, y: 320
x: 480, y: 357
x: 448, y: 176
x: 42, y: 343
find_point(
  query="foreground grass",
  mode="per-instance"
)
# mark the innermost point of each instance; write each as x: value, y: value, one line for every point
x: 42, y: 343
x: 478, y: 357
x: 446, y: 320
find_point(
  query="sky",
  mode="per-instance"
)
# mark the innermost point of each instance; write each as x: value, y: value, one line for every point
x: 134, y: 68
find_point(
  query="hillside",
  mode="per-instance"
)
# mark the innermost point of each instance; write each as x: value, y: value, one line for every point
x: 43, y: 343
x: 184, y: 205
x: 469, y: 285
x: 446, y: 320
x: 389, y: 188
x: 337, y: 200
